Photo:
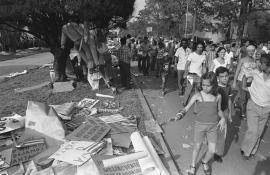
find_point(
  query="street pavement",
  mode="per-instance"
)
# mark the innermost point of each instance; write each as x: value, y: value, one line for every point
x: 20, y: 64
x: 179, y: 134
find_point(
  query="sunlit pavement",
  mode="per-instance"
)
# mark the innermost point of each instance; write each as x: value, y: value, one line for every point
x: 179, y: 134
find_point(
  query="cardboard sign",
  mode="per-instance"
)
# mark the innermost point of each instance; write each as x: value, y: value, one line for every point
x: 11, y: 123
x: 93, y: 130
x: 77, y: 152
x: 130, y: 168
x: 24, y: 154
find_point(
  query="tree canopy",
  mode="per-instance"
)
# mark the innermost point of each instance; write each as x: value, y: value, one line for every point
x: 210, y: 15
x: 45, y: 18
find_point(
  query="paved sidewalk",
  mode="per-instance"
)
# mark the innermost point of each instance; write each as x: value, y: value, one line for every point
x: 180, y: 133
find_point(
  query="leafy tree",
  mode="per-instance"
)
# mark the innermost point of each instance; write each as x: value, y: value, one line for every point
x: 45, y: 18
x: 208, y: 15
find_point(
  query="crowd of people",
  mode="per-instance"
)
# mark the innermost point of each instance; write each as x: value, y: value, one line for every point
x: 207, y: 73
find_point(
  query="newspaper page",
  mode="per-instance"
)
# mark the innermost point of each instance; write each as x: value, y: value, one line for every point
x: 93, y: 130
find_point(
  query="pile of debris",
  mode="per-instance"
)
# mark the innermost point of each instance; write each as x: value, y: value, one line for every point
x: 87, y: 137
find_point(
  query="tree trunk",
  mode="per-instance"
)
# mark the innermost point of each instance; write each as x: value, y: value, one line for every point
x: 243, y: 17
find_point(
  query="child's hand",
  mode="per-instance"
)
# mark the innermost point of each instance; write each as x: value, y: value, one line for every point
x: 180, y: 115
x: 222, y: 124
x: 230, y: 118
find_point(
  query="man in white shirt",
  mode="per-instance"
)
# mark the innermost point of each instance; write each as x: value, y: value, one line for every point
x: 258, y: 107
x: 266, y: 47
x: 228, y: 55
x: 195, y: 67
x: 181, y: 56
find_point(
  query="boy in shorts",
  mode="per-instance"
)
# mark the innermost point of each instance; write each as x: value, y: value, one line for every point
x: 225, y: 90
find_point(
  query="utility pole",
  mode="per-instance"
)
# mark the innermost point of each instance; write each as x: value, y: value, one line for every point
x: 186, y: 19
x: 194, y: 22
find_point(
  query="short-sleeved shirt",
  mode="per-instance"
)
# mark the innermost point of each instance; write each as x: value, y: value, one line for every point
x: 160, y: 53
x: 196, y: 62
x: 259, y: 89
x: 124, y: 54
x: 217, y: 64
x: 228, y: 57
x: 182, y: 56
x: 225, y: 92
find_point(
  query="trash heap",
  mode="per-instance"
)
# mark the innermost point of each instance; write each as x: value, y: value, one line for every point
x: 89, y: 137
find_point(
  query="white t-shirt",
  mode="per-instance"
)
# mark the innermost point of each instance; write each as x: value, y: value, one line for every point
x: 182, y: 56
x: 259, y: 89
x: 217, y: 64
x: 196, y: 63
x: 228, y: 57
x: 265, y: 49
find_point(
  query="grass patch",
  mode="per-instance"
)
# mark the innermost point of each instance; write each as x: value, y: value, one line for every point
x: 10, y: 101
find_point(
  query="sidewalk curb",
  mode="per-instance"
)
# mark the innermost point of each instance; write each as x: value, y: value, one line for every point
x: 172, y: 166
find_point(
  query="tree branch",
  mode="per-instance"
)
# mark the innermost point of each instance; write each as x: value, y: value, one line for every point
x: 22, y: 30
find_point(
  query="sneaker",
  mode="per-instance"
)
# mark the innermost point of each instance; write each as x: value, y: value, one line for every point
x: 218, y: 158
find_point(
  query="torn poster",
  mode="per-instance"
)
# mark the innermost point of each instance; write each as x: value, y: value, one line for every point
x: 93, y: 130
x: 26, y: 153
x: 11, y: 123
x: 77, y: 152
x: 130, y: 168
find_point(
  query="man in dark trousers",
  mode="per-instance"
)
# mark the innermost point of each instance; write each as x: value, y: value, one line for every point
x: 124, y: 56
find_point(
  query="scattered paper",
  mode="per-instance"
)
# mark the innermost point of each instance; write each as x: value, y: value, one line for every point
x: 152, y: 126
x: 47, y: 171
x: 122, y: 140
x: 108, y: 149
x: 16, y: 74
x: 105, y: 96
x: 113, y: 118
x: 115, y: 161
x: 64, y: 109
x: 5, y: 158
x: 93, y: 130
x: 129, y: 168
x: 30, y: 167
x: 87, y: 103
x: 63, y: 168
x: 19, y: 90
x: 43, y: 119
x: 26, y: 153
x: 63, y: 87
x: 11, y: 123
x: 75, y: 152
x: 184, y: 145
x: 152, y: 163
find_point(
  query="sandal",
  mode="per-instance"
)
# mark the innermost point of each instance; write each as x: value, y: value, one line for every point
x: 206, y: 168
x: 192, y: 170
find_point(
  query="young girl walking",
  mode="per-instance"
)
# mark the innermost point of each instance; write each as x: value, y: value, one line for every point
x: 209, y: 118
